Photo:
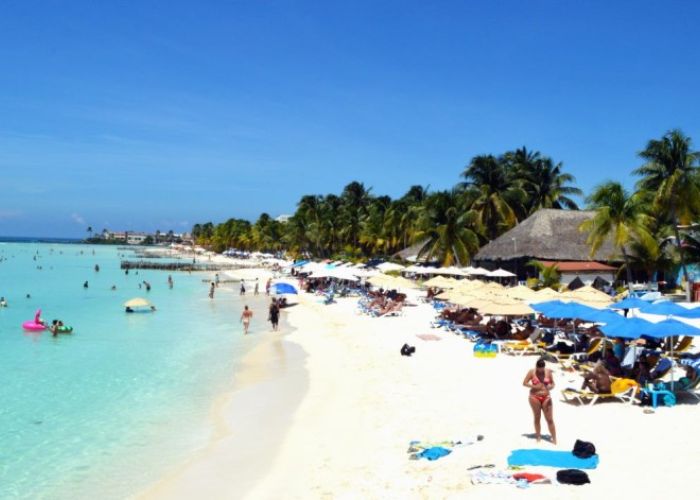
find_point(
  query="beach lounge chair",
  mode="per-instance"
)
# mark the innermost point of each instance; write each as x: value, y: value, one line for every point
x: 529, y: 346
x: 594, y: 346
x: 623, y: 389
x: 683, y: 345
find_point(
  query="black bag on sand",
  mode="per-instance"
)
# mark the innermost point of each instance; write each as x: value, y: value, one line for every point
x: 572, y: 476
x: 407, y: 350
x: 583, y: 449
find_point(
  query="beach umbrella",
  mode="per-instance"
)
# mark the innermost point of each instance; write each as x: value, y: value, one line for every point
x: 589, y: 294
x: 547, y: 294
x: 521, y: 292
x: 385, y: 267
x: 440, y: 282
x: 629, y: 303
x: 137, y: 302
x: 505, y: 307
x: 478, y: 271
x: 500, y: 273
x: 300, y: 263
x: 284, y: 289
x: 401, y: 282
x: 552, y: 309
x: 673, y: 328
x: 666, y: 308
x: 628, y: 328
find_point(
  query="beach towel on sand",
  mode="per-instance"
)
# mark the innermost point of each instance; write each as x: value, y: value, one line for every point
x: 433, y: 453
x: 551, y: 458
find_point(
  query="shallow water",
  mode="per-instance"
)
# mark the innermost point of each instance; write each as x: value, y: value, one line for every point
x: 106, y: 410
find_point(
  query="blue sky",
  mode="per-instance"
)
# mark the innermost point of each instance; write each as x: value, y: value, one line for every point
x: 155, y: 115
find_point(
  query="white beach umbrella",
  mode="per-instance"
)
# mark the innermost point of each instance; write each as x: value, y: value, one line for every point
x: 500, y: 273
x: 385, y: 267
x: 478, y: 271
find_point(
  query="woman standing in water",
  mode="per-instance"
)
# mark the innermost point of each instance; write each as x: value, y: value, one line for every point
x: 245, y: 319
x: 540, y: 381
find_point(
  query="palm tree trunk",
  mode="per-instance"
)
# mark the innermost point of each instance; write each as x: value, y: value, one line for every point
x: 628, y: 269
x: 680, y: 250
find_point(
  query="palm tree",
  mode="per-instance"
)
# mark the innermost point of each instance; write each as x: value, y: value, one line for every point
x: 671, y: 173
x: 449, y: 229
x: 543, y: 181
x: 547, y: 276
x: 497, y: 197
x: 355, y: 199
x: 618, y: 216
x: 89, y: 231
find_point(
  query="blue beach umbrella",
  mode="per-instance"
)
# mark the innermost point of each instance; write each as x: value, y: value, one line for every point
x: 601, y: 316
x: 629, y: 303
x: 673, y: 328
x: 300, y: 263
x: 551, y: 308
x: 628, y: 328
x: 667, y: 308
x: 284, y: 288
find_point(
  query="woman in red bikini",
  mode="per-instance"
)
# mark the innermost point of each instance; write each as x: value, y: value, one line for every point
x: 540, y: 382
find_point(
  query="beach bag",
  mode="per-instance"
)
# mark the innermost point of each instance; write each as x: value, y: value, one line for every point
x: 572, y: 476
x: 583, y: 449
x: 407, y: 350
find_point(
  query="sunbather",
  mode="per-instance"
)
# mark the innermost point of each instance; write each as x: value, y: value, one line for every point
x: 540, y: 381
x: 597, y: 380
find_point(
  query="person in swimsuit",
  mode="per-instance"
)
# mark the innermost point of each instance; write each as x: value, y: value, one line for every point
x: 245, y: 319
x: 597, y: 380
x: 540, y: 381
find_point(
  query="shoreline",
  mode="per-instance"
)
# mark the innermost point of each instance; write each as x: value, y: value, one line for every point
x: 356, y: 404
x: 267, y: 387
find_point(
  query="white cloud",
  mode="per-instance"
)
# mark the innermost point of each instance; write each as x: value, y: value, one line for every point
x: 78, y: 219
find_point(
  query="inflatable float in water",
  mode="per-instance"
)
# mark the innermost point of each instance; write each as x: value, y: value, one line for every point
x: 35, y: 325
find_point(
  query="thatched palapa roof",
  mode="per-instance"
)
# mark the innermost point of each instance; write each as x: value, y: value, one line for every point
x: 547, y: 234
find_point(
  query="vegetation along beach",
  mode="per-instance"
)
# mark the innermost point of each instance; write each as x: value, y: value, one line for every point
x: 366, y: 250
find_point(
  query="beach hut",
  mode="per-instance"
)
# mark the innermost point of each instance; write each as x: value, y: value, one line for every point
x: 550, y: 236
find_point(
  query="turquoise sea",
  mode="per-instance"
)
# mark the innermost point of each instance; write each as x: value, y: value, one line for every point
x: 105, y: 411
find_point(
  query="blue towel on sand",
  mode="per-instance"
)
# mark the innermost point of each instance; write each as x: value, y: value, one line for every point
x: 552, y: 458
x: 434, y: 453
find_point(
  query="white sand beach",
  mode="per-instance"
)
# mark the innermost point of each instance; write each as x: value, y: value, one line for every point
x: 329, y: 411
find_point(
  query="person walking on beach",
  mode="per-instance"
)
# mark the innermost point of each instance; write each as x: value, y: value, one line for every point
x: 274, y: 314
x: 242, y: 287
x: 255, y: 290
x: 267, y: 286
x: 211, y: 290
x: 540, y: 381
x: 245, y: 319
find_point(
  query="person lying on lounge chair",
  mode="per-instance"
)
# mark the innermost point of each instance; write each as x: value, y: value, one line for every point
x: 597, y: 380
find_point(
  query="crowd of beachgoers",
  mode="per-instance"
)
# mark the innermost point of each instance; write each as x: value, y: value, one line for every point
x: 567, y: 352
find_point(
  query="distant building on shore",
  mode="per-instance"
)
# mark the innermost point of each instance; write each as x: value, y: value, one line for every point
x: 143, y: 238
x: 552, y: 237
x: 283, y: 218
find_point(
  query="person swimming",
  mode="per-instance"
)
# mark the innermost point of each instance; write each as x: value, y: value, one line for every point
x: 540, y: 381
x: 85, y: 285
x: 3, y: 302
